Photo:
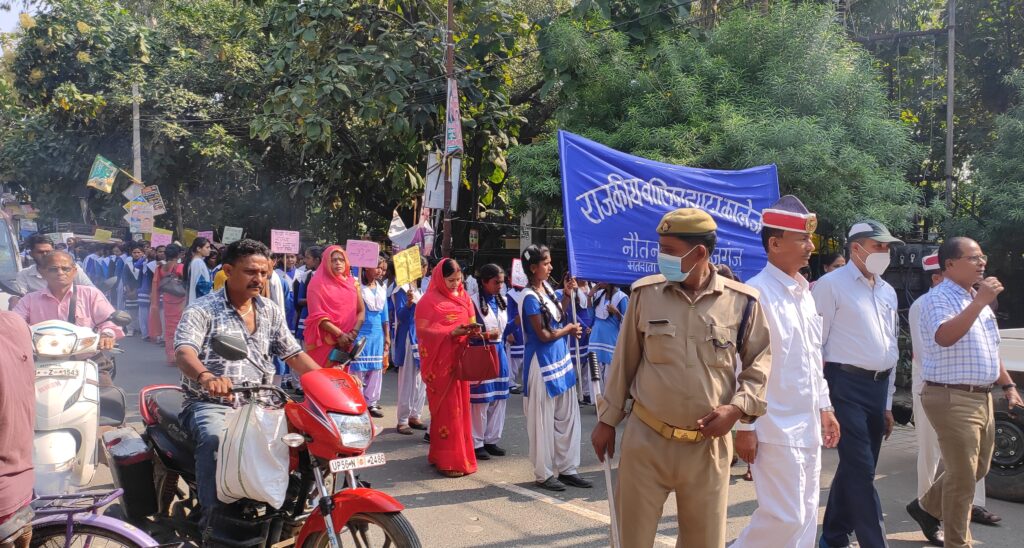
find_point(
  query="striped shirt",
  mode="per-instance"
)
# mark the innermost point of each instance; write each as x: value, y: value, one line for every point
x: 974, y: 359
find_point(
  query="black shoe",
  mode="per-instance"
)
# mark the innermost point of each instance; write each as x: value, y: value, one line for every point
x: 575, y: 480
x: 979, y: 514
x: 551, y: 484
x: 481, y: 454
x: 426, y: 437
x: 516, y: 390
x: 586, y: 401
x: 375, y: 412
x: 493, y: 449
x: 930, y: 526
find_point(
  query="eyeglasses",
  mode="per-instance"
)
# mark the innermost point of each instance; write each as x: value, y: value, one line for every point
x: 977, y: 259
x: 64, y: 269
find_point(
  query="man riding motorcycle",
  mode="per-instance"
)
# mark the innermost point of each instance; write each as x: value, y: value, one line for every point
x: 207, y: 378
x: 65, y: 299
x: 31, y: 279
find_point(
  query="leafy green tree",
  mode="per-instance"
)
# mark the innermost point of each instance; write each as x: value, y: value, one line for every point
x: 785, y: 87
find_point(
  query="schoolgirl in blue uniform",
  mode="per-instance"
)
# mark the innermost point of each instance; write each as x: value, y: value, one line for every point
x: 369, y: 366
x: 610, y: 305
x: 412, y: 393
x: 515, y: 347
x: 489, y: 398
x: 552, y: 412
x: 584, y: 317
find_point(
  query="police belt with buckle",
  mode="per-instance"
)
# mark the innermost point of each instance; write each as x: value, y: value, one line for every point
x: 666, y: 431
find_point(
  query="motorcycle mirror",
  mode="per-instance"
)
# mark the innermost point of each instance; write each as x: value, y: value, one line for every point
x: 5, y: 285
x: 120, y: 318
x: 357, y: 348
x: 229, y: 347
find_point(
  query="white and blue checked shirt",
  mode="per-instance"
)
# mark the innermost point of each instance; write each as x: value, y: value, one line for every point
x: 974, y: 359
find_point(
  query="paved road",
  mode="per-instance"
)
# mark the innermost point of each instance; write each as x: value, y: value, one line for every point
x: 498, y: 506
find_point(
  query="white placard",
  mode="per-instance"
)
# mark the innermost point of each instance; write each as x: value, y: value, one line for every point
x: 434, y: 198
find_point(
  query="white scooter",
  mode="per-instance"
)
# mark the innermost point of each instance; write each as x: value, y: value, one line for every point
x: 70, y: 404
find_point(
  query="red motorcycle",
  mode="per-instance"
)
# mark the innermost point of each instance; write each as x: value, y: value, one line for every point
x: 329, y: 432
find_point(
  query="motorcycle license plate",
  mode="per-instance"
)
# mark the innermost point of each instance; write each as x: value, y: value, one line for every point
x: 55, y: 372
x: 352, y: 463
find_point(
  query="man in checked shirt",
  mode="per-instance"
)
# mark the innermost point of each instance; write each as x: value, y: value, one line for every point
x: 961, y: 367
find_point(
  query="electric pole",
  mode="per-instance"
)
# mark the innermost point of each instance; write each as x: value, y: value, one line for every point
x: 449, y: 66
x: 950, y: 62
x: 136, y: 136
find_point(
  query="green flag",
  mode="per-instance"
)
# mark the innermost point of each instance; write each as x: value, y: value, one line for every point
x: 102, y: 174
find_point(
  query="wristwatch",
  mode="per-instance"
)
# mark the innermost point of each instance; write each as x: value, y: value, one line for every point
x: 828, y: 409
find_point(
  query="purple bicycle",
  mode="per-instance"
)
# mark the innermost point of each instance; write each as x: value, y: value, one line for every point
x: 74, y: 521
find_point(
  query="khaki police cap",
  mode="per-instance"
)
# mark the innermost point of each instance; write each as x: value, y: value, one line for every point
x: 687, y: 221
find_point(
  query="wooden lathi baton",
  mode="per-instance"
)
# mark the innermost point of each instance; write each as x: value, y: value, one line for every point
x: 606, y: 461
x: 578, y: 364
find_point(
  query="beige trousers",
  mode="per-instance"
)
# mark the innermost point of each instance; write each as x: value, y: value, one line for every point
x: 651, y: 467
x: 965, y: 427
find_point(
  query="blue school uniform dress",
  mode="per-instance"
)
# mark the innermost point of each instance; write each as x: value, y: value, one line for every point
x: 495, y: 389
x: 517, y: 348
x: 585, y: 318
x: 605, y: 333
x: 298, y: 322
x: 405, y: 331
x: 376, y: 300
x: 556, y: 367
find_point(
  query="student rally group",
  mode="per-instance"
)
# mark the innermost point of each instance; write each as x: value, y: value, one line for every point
x: 689, y: 356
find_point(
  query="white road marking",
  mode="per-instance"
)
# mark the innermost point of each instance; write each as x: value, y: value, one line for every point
x: 568, y: 506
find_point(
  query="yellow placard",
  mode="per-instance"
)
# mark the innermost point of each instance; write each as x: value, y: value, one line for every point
x: 189, y: 235
x: 102, y: 235
x: 407, y: 266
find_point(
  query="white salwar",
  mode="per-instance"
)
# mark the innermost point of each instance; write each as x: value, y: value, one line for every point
x: 412, y: 393
x: 928, y: 455
x: 553, y: 426
x: 488, y: 422
x: 788, y: 464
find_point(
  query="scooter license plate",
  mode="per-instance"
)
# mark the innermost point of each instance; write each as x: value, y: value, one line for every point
x: 56, y: 372
x: 362, y: 461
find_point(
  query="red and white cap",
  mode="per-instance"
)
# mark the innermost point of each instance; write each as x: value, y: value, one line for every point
x: 930, y: 262
x: 789, y: 213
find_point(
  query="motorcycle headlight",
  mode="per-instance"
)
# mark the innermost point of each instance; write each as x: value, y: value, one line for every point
x: 356, y: 430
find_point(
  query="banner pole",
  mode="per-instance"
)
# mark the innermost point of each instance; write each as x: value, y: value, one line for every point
x: 606, y: 461
x: 577, y: 364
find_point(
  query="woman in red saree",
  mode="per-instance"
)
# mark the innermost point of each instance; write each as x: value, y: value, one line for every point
x: 167, y: 308
x: 335, y: 308
x: 445, y: 320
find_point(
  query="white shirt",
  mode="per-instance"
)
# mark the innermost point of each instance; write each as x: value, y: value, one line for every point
x: 197, y: 270
x: 916, y: 345
x: 859, y: 321
x: 797, y: 390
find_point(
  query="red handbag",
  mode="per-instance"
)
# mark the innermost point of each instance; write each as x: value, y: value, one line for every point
x: 478, y: 363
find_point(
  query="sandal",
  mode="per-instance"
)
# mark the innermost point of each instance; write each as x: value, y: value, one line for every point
x: 404, y: 430
x: 451, y: 473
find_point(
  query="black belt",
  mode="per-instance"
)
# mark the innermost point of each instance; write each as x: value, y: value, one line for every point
x: 860, y: 371
x: 984, y: 388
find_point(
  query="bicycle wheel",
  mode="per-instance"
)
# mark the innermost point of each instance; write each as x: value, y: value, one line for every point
x: 54, y: 535
x: 372, y: 530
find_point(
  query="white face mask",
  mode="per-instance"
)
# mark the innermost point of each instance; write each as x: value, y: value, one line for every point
x: 876, y: 263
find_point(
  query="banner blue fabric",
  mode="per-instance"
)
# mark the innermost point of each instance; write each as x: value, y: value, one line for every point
x: 613, y: 202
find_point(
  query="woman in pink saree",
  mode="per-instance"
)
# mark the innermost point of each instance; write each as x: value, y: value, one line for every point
x: 445, y: 320
x: 335, y: 308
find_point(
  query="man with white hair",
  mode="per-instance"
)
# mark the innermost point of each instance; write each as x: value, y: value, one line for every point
x: 928, y: 455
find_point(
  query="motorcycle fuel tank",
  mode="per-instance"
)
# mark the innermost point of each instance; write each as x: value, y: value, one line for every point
x: 334, y: 390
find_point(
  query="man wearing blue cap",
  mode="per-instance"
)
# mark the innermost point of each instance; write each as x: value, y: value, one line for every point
x: 859, y: 346
x: 784, y: 446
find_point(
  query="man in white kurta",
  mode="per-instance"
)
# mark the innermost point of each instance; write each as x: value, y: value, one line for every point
x: 784, y: 446
x: 928, y: 455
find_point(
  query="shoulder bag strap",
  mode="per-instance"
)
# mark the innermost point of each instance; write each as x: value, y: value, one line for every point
x: 73, y: 307
x: 747, y: 310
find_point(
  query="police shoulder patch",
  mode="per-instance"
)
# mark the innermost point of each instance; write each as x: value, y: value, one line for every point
x: 740, y: 287
x: 648, y: 280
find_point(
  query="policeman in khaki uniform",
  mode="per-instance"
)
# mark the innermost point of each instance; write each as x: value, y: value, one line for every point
x: 673, y: 379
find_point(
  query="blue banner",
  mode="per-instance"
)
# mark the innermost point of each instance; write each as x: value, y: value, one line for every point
x: 613, y: 202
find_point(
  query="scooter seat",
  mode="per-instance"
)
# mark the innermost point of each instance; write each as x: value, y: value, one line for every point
x: 112, y: 406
